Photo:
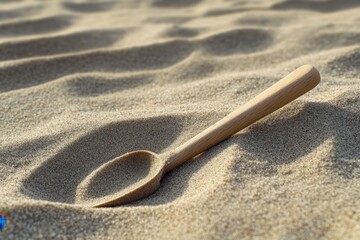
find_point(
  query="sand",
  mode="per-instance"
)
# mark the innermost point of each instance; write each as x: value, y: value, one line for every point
x: 84, y: 82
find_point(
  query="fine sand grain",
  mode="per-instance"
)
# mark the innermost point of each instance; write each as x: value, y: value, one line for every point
x: 82, y: 82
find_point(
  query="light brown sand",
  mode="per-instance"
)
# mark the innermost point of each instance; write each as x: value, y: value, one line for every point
x: 84, y: 82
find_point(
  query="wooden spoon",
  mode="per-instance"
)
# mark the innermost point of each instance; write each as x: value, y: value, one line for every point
x: 137, y: 174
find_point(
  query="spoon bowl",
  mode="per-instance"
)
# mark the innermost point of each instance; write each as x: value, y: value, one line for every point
x: 137, y: 174
x: 127, y: 178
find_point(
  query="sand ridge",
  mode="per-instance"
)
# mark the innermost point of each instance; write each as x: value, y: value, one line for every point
x: 82, y: 82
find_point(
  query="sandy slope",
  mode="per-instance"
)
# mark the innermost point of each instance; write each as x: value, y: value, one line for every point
x: 84, y: 82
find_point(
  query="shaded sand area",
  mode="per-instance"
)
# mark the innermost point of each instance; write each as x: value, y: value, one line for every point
x: 84, y: 82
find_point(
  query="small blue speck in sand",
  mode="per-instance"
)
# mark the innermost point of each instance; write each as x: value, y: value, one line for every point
x: 3, y: 222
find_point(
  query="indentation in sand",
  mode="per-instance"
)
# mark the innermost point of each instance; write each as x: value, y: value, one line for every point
x: 174, y: 3
x: 224, y: 11
x: 181, y: 32
x: 347, y: 64
x: 20, y: 12
x: 57, y: 178
x: 17, y: 155
x: 170, y: 20
x: 324, y: 41
x: 321, y: 6
x: 35, y: 26
x: 261, y: 19
x: 314, y: 123
x: 73, y: 42
x: 88, y: 7
x: 89, y: 86
x: 237, y: 41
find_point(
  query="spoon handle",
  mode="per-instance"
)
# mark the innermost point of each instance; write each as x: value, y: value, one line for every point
x: 284, y: 91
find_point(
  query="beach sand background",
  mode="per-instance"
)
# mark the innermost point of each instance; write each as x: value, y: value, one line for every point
x: 84, y: 82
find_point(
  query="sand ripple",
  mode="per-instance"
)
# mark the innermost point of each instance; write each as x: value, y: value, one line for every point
x: 82, y: 82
